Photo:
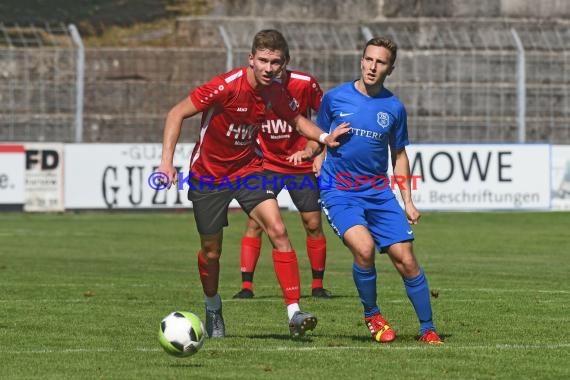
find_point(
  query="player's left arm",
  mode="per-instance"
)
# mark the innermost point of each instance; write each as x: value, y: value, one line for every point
x: 402, y: 176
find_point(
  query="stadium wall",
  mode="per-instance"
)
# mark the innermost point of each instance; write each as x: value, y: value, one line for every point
x: 358, y: 10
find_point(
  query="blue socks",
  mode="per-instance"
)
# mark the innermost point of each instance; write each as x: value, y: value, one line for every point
x: 365, y: 281
x: 416, y: 289
x: 418, y: 293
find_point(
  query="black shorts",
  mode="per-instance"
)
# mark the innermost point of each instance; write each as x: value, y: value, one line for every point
x: 211, y: 202
x: 303, y: 188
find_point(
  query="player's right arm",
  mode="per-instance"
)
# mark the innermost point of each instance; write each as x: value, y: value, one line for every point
x: 172, y: 128
x: 200, y: 99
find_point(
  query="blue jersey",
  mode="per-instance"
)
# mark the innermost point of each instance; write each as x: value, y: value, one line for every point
x: 360, y: 163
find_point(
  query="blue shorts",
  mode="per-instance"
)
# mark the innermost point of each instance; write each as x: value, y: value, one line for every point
x: 384, y: 218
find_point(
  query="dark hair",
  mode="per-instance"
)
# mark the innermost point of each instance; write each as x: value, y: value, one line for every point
x: 383, y: 42
x: 270, y: 39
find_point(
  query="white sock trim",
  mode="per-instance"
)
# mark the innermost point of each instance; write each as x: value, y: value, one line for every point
x: 291, y: 309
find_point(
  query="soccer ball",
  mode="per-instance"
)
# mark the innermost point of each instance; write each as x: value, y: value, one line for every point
x: 181, y: 333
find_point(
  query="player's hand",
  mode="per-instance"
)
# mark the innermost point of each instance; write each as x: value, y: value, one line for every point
x: 171, y: 173
x: 340, y: 130
x: 412, y: 213
x: 317, y: 163
x: 300, y: 156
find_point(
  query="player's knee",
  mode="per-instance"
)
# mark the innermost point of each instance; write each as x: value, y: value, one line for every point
x: 409, y: 267
x: 364, y: 260
x: 253, y: 229
x: 364, y: 255
x: 366, y: 248
x: 277, y: 232
x: 314, y: 228
x: 312, y: 223
x: 211, y: 253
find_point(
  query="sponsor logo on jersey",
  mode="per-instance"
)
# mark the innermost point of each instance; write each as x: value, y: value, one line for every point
x: 243, y: 133
x: 366, y: 133
x: 276, y: 127
x: 242, y: 109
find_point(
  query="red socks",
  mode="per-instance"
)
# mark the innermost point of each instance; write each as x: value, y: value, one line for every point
x: 287, y: 271
x: 249, y: 254
x: 317, y: 252
x: 285, y: 264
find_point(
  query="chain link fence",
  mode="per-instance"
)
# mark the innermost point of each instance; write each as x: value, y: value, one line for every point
x: 37, y: 83
x: 458, y: 79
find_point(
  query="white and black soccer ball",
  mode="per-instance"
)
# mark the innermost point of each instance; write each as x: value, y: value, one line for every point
x: 181, y: 333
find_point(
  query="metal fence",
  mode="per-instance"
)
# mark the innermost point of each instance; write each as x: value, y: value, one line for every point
x: 460, y: 79
x: 483, y: 81
x: 38, y: 78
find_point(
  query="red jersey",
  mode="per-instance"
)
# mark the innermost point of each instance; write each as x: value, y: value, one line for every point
x: 232, y: 112
x: 277, y: 138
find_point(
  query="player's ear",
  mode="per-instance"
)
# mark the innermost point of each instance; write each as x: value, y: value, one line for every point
x: 391, y: 69
x: 250, y: 60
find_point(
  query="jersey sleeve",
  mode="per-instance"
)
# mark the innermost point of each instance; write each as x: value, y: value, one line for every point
x: 315, y: 95
x: 280, y: 101
x: 324, y: 117
x: 210, y: 93
x: 399, y: 137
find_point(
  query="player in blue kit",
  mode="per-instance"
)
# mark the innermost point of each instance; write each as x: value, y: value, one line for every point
x: 357, y: 198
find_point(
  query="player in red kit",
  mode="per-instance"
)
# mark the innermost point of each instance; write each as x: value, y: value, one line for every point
x: 224, y: 166
x: 278, y: 141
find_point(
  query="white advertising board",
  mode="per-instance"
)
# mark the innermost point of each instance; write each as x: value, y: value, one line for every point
x: 109, y: 176
x: 448, y: 177
x: 12, y: 176
x: 44, y: 177
x: 561, y: 177
x: 120, y: 176
x: 480, y: 176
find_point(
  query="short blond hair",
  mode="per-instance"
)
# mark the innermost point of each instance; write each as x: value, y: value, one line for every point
x: 383, y: 42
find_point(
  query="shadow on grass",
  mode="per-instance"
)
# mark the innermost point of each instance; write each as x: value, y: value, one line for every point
x: 280, y: 298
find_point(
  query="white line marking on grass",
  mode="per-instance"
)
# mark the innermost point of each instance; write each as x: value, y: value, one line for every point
x: 554, y: 291
x: 506, y: 347
x: 423, y: 347
x: 495, y: 290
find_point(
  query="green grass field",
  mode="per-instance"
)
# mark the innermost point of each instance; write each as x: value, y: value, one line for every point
x: 82, y: 295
